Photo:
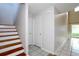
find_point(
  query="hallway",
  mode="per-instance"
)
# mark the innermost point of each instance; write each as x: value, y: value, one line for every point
x: 49, y: 29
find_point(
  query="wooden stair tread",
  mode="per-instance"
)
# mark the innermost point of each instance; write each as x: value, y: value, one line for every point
x: 22, y: 54
x: 9, y: 42
x: 8, y: 35
x: 11, y: 51
x: 9, y: 39
x: 5, y: 46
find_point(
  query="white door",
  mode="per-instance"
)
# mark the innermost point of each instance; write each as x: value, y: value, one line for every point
x: 46, y: 34
x: 39, y: 32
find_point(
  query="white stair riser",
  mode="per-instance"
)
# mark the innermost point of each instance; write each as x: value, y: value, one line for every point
x: 4, y: 26
x: 9, y: 42
x: 9, y: 37
x: 7, y: 30
x: 10, y: 48
x: 8, y: 33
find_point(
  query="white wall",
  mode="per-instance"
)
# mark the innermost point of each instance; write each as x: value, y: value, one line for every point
x: 61, y: 34
x: 30, y: 27
x: 22, y: 25
x: 56, y: 11
x: 44, y: 30
x: 60, y: 27
x: 8, y: 12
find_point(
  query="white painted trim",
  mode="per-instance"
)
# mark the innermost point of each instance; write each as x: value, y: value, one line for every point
x: 48, y: 51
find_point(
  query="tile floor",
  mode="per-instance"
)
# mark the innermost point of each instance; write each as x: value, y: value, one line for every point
x: 36, y: 51
x: 75, y: 47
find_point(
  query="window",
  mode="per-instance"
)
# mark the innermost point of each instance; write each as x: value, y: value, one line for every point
x: 75, y: 30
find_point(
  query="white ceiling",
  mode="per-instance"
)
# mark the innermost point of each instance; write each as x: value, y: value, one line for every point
x: 35, y: 8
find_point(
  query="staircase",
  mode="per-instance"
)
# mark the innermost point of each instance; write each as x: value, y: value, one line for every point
x: 10, y: 44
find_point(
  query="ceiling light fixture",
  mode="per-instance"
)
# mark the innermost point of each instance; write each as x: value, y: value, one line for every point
x: 76, y: 9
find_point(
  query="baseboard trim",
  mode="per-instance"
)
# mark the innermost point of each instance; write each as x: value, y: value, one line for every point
x: 57, y: 52
x: 48, y: 51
